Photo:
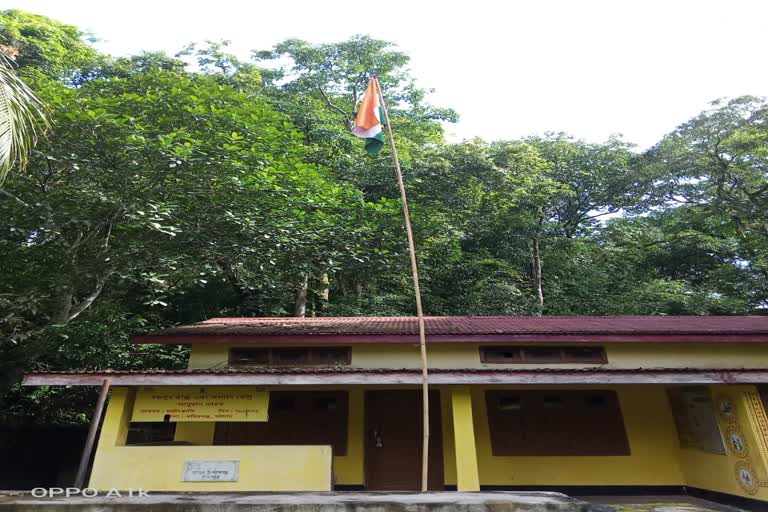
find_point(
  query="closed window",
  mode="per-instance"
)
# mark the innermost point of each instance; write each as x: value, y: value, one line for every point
x: 550, y: 423
x: 542, y: 355
x: 290, y: 356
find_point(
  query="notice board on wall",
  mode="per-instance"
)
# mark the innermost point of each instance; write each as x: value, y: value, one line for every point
x: 195, y: 403
x: 696, y: 419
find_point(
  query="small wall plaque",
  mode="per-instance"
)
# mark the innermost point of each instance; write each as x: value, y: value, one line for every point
x: 211, y: 471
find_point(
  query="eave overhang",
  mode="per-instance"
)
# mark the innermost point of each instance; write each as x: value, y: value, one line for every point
x: 356, y: 339
x: 362, y: 376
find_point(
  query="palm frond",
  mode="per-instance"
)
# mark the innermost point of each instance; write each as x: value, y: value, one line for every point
x: 22, y: 119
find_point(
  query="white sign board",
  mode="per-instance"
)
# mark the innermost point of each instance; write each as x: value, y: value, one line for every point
x: 211, y: 470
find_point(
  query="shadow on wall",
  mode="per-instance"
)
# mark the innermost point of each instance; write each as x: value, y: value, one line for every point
x: 39, y: 456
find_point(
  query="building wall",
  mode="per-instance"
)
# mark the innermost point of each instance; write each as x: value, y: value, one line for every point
x: 261, y: 468
x: 656, y: 457
x: 647, y: 417
x: 650, y: 430
x: 466, y: 355
x: 347, y: 469
x: 721, y: 472
x: 160, y: 468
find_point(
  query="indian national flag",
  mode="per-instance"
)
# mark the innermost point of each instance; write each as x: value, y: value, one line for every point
x: 369, y: 123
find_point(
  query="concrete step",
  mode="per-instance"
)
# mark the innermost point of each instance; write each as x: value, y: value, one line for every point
x: 299, y: 502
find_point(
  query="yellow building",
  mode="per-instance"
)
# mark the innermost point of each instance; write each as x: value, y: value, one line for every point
x: 569, y: 403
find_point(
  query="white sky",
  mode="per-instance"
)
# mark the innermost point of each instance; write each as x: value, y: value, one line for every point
x: 510, y: 68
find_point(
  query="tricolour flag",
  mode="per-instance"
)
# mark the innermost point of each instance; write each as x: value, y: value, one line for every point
x: 369, y: 123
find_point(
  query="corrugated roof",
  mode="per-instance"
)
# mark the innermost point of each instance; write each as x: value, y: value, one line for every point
x: 468, y: 325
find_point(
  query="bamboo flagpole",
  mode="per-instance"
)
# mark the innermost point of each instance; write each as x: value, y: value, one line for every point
x: 417, y: 292
x: 368, y: 126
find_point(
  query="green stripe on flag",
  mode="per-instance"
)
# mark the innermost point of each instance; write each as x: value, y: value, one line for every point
x: 374, y: 144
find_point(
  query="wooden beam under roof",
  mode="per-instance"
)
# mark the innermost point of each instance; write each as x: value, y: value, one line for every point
x: 401, y: 377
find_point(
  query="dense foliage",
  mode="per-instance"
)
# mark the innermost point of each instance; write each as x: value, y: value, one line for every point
x: 175, y: 189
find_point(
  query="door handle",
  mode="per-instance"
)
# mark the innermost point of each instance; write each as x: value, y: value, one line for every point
x: 377, y: 438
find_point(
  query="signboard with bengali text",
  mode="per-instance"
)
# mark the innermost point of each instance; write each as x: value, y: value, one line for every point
x: 209, y: 403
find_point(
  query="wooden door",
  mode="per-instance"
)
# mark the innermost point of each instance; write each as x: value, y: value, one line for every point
x: 393, y: 443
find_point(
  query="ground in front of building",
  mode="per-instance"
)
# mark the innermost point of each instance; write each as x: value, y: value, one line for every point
x: 653, y: 503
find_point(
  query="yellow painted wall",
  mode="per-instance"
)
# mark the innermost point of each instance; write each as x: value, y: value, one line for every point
x: 347, y: 469
x: 114, y: 428
x: 160, y: 468
x: 718, y: 472
x: 466, y: 355
x: 262, y: 468
x: 652, y: 440
x: 209, y: 356
x: 194, y: 432
x: 655, y: 459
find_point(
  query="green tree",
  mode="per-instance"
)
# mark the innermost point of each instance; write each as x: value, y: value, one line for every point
x: 714, y: 168
x: 717, y: 161
x: 599, y: 178
x: 318, y: 87
x: 161, y: 177
x: 56, y: 49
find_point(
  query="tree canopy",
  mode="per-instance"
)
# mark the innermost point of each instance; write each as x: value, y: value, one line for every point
x: 174, y: 189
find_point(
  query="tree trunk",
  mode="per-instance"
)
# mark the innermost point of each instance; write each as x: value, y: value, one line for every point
x: 536, y: 266
x: 325, y: 291
x: 300, y: 305
x: 64, y: 308
x: 62, y: 305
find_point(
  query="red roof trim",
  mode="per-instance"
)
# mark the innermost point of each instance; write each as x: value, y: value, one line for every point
x: 354, y: 339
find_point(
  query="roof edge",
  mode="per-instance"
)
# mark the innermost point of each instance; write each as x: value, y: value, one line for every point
x: 405, y: 376
x: 323, y: 338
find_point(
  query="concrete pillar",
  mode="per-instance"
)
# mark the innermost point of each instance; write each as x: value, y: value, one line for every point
x: 114, y: 429
x: 755, y: 429
x: 348, y: 469
x: 467, y: 477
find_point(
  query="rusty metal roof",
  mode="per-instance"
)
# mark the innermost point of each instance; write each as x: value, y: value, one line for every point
x: 478, y: 325
x: 461, y: 328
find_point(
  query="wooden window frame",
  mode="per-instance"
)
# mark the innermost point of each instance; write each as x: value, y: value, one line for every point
x: 572, y: 427
x: 310, y: 356
x: 523, y: 354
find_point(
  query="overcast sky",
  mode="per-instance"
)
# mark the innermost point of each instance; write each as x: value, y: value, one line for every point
x: 510, y: 68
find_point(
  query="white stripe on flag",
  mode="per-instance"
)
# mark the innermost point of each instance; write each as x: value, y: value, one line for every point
x: 367, y: 134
